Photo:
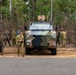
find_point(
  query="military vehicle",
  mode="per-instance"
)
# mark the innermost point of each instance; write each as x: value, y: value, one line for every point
x: 41, y: 35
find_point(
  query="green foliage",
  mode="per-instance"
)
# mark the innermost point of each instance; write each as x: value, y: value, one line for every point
x: 42, y: 7
x: 25, y: 0
x: 4, y: 2
x: 5, y: 8
x: 23, y: 10
x: 5, y: 11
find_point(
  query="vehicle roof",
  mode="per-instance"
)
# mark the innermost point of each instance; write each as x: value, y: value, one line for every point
x: 40, y: 22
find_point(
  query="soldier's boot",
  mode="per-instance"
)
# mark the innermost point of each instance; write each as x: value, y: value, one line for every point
x: 23, y: 52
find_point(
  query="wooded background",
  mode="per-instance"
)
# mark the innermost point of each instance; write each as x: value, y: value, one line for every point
x: 24, y: 11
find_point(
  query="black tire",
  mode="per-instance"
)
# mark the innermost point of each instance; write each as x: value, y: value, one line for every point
x: 28, y: 51
x: 53, y: 51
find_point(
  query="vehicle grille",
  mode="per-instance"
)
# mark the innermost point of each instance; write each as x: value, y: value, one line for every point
x: 39, y: 41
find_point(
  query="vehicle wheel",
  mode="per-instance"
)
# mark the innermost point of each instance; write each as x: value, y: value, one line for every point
x: 53, y: 51
x: 28, y: 51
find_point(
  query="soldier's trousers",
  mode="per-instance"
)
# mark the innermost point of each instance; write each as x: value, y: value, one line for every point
x: 20, y: 47
x: 13, y: 42
x: 63, y: 42
x: 7, y: 40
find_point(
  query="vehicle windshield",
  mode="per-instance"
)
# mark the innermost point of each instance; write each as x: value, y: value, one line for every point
x: 40, y: 26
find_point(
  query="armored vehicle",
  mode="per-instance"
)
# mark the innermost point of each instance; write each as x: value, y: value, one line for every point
x: 41, y: 35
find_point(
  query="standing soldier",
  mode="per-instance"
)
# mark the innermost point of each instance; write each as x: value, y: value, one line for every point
x: 25, y: 33
x: 1, y: 44
x: 20, y: 43
x: 13, y: 37
x: 63, y: 37
x: 7, y: 38
x: 58, y: 36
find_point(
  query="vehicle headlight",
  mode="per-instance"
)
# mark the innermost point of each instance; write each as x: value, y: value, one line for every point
x: 53, y: 34
x: 28, y: 34
x: 27, y: 43
x: 53, y: 44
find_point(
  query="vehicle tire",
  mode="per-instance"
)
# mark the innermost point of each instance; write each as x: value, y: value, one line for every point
x: 28, y: 51
x: 53, y: 51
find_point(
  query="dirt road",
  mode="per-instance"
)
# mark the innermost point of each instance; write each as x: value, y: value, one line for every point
x: 69, y: 51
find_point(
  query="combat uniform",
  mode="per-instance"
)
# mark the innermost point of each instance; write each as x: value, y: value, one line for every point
x: 63, y: 38
x: 20, y: 44
x: 13, y: 38
x: 7, y: 38
x: 58, y: 37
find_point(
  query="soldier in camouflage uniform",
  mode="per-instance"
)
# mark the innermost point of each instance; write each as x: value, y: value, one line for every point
x: 63, y: 37
x: 58, y: 36
x: 7, y: 38
x: 13, y: 37
x: 20, y: 43
x: 1, y: 44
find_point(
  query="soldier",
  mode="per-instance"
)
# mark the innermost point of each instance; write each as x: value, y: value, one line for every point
x: 58, y: 37
x: 1, y: 44
x: 63, y: 37
x: 18, y: 31
x: 13, y: 37
x: 20, y: 43
x: 7, y: 38
x: 25, y: 38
